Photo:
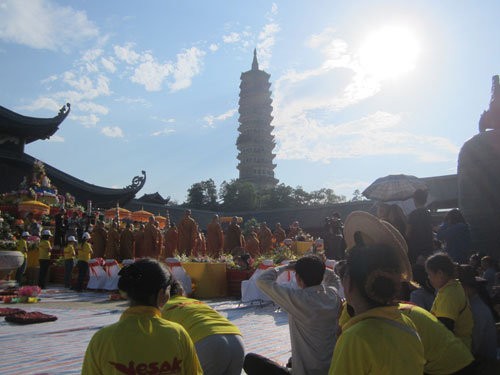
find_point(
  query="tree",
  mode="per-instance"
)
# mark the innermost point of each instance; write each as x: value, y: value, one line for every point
x: 281, y: 196
x: 203, y: 195
x: 325, y: 196
x: 357, y: 196
x: 237, y: 195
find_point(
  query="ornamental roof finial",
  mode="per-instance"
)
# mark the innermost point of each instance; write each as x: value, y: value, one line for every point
x: 255, y: 63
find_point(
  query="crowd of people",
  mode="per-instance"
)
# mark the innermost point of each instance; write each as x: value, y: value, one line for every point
x: 404, y: 297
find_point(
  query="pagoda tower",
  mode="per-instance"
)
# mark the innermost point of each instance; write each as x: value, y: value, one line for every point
x: 256, y: 142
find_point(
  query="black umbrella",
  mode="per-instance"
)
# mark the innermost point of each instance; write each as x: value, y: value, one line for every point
x: 395, y: 187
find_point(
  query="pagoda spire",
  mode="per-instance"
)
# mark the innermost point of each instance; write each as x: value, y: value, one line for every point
x: 255, y: 63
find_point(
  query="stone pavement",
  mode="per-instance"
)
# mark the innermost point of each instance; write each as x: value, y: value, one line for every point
x: 58, y: 347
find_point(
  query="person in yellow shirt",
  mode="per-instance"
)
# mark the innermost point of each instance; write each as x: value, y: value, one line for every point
x: 44, y: 252
x: 22, y: 247
x: 84, y: 255
x: 69, y: 260
x: 217, y: 341
x: 379, y: 338
x: 451, y: 305
x: 142, y: 341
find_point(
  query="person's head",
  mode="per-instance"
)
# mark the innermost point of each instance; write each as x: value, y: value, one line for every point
x: 72, y: 240
x: 397, y: 218
x: 420, y: 277
x: 440, y: 269
x: 46, y: 234
x: 85, y: 236
x: 468, y: 278
x: 383, y: 211
x: 278, y: 225
x: 475, y: 260
x: 151, y: 220
x: 263, y: 225
x: 309, y: 271
x: 234, y: 220
x: 187, y: 213
x: 176, y: 289
x: 487, y: 262
x: 372, y: 276
x: 454, y: 217
x: 128, y: 226
x: 146, y: 282
x: 420, y: 197
x: 172, y: 224
x: 215, y: 219
x: 156, y: 224
x: 25, y: 235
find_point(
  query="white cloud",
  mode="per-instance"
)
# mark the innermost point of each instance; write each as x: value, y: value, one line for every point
x: 43, y: 103
x: 112, y: 131
x: 127, y: 54
x: 266, y: 43
x: 49, y: 79
x: 188, y: 65
x: 43, y: 24
x: 151, y: 73
x: 213, y: 47
x: 165, y: 131
x: 380, y: 133
x: 165, y: 120
x: 274, y: 9
x: 56, y: 138
x: 92, y: 107
x: 231, y: 38
x: 88, y: 121
x: 210, y: 119
x: 108, y: 64
x: 126, y: 100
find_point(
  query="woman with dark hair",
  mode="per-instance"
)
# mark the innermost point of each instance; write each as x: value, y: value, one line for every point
x: 423, y: 296
x: 450, y: 306
x: 397, y: 218
x: 378, y: 330
x: 217, y: 341
x: 456, y: 234
x: 142, y: 341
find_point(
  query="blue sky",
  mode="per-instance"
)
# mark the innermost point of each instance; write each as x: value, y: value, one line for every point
x: 361, y: 89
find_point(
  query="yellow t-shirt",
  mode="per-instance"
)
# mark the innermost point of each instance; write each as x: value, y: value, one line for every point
x: 199, y: 319
x: 141, y: 342
x: 85, y: 252
x: 44, y: 249
x: 452, y: 303
x: 379, y: 341
x: 444, y: 352
x: 69, y: 251
x: 22, y: 246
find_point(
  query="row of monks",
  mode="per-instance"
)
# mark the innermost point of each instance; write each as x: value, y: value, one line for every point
x: 184, y: 238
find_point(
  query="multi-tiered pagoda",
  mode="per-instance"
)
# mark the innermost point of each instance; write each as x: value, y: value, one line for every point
x: 256, y: 142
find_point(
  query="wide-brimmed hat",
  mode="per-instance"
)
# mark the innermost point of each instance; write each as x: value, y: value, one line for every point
x: 374, y: 231
x: 72, y: 239
x: 46, y: 232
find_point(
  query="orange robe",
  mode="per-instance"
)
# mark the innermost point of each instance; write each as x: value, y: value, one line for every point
x: 159, y: 243
x: 149, y: 245
x: 215, y: 239
x: 126, y: 244
x: 188, y: 234
x: 252, y: 245
x: 201, y: 245
x: 113, y: 245
x: 171, y: 240
x: 139, y: 243
x: 279, y: 236
x: 99, y: 239
x: 265, y: 240
x: 233, y: 237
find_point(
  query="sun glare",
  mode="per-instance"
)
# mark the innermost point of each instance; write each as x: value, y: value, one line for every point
x: 389, y: 52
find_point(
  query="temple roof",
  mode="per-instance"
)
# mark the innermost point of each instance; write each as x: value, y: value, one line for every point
x: 15, y: 166
x: 30, y: 128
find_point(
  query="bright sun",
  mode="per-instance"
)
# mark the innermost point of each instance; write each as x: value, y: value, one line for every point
x: 389, y: 52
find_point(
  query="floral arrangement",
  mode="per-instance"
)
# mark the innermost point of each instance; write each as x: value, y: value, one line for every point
x: 8, y: 245
x: 29, y: 291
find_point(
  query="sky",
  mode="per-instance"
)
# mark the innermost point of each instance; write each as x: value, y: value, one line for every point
x: 360, y: 89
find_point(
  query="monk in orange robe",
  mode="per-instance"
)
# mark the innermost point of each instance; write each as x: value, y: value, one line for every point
x: 279, y: 234
x: 188, y: 233
x: 215, y: 237
x: 171, y: 240
x: 127, y: 243
x: 294, y: 230
x: 159, y: 241
x: 99, y: 239
x: 139, y: 241
x: 149, y: 245
x: 252, y: 245
x: 113, y: 243
x: 265, y: 239
x: 201, y: 245
x: 233, y: 235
